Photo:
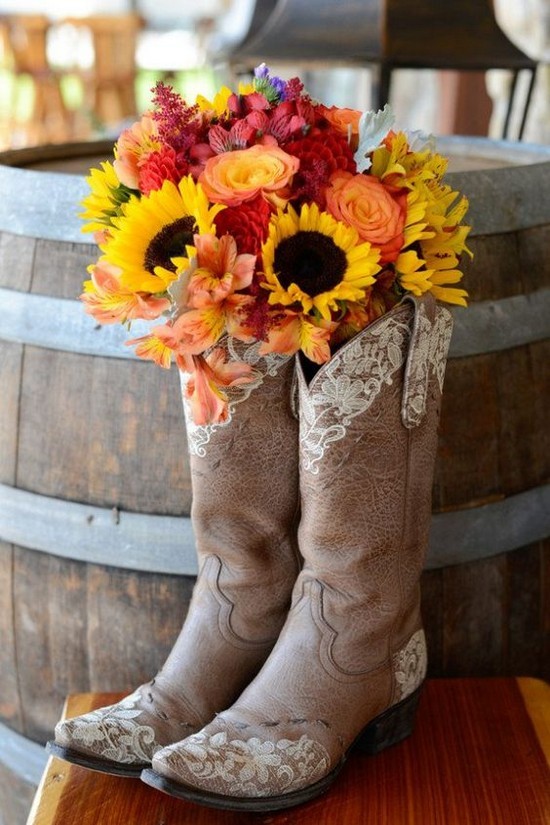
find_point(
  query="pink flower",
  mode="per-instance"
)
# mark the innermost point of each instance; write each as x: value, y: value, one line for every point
x: 132, y: 149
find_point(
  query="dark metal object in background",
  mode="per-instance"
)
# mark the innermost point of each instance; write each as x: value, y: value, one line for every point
x: 460, y: 35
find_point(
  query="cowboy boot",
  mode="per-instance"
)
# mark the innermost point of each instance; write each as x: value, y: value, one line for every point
x: 245, y: 502
x: 350, y: 660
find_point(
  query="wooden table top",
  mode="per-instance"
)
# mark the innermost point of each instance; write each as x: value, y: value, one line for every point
x: 480, y: 755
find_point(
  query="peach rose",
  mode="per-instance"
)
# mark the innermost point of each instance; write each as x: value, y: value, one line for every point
x: 346, y: 121
x: 234, y: 177
x: 377, y: 213
x: 133, y: 147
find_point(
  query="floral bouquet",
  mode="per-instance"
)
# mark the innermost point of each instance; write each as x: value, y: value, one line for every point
x: 268, y: 217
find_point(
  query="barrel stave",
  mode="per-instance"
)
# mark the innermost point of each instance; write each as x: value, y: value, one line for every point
x: 106, y: 432
x: 468, y: 436
x: 11, y: 359
x: 61, y: 267
x: 489, y: 617
x: 11, y: 710
x: 17, y: 256
x: 80, y: 627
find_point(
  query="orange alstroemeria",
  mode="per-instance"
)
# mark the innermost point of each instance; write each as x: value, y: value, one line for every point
x: 219, y: 270
x: 201, y: 328
x: 295, y: 332
x: 152, y: 348
x: 161, y: 345
x: 109, y: 302
x: 228, y: 373
x: 208, y: 402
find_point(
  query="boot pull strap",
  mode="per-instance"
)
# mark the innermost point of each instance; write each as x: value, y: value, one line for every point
x: 424, y: 357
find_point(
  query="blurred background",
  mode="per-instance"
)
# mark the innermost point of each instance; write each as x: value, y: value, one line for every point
x: 75, y: 70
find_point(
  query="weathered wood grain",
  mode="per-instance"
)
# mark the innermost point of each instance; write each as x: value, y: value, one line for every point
x: 79, y: 627
x: 133, y: 621
x: 475, y: 600
x: 10, y: 697
x: 66, y: 262
x: 468, y: 460
x: 103, y: 431
x: 17, y: 257
x: 525, y: 626
x: 11, y: 359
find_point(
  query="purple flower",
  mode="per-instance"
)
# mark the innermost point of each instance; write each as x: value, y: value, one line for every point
x: 272, y: 88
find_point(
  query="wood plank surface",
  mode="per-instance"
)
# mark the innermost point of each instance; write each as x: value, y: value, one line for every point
x: 480, y: 755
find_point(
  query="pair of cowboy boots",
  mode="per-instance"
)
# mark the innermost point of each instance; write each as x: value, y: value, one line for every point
x: 232, y: 721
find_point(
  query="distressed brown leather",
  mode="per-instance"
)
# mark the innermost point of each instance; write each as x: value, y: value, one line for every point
x: 245, y: 503
x: 352, y: 645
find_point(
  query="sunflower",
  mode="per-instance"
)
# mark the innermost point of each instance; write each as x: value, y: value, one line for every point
x: 105, y: 200
x: 156, y: 228
x: 312, y: 260
x: 434, y: 242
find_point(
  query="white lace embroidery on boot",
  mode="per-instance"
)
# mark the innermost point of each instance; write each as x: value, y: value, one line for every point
x: 428, y: 355
x: 254, y: 767
x: 112, y: 732
x: 354, y: 378
x: 351, y: 382
x: 263, y: 365
x: 410, y: 665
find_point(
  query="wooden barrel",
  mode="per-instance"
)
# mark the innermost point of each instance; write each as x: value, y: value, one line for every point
x: 486, y: 605
x: 92, y: 451
x: 96, y: 550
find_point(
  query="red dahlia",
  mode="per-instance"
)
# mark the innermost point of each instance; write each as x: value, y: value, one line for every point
x: 319, y: 156
x: 248, y: 223
x: 158, y: 167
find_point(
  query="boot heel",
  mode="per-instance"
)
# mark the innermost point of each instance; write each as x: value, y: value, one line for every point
x: 390, y: 727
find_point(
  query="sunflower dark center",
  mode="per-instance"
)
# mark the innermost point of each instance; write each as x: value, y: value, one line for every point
x: 168, y: 243
x: 311, y: 260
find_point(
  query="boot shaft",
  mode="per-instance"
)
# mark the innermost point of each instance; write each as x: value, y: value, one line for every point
x: 244, y: 475
x: 368, y: 438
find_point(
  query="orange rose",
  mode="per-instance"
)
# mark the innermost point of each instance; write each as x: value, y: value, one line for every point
x: 377, y: 213
x: 346, y: 121
x: 234, y: 177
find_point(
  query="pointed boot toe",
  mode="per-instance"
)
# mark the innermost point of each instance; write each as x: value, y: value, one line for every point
x: 113, y: 739
x: 240, y: 769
